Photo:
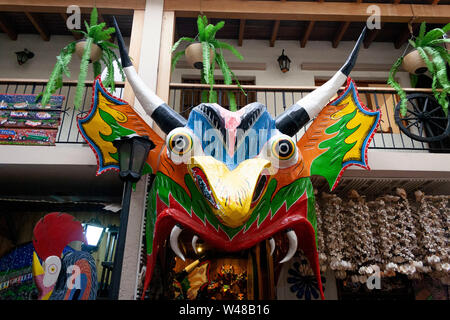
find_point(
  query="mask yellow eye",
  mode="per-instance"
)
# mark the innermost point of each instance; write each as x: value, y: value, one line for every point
x: 283, y: 149
x: 180, y: 143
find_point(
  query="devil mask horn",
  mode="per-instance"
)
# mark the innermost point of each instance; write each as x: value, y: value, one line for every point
x: 164, y: 116
x: 299, y: 114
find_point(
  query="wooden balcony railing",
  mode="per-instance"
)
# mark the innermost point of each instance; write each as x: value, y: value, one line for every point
x: 68, y: 130
x: 184, y: 97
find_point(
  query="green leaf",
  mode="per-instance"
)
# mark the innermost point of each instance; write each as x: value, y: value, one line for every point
x: 444, y: 53
x: 201, y: 28
x: 427, y: 60
x: 177, y: 57
x: 97, y: 68
x: 206, y: 61
x: 437, y: 42
x: 423, y: 28
x: 87, y: 26
x: 394, y: 84
x: 446, y: 28
x: 432, y: 35
x: 208, y: 31
x: 118, y: 64
x: 440, y: 67
x: 238, y: 83
x: 232, y: 100
x: 216, y: 28
x: 55, y: 81
x: 107, y: 44
x: 188, y: 39
x: 83, y: 73
x: 226, y: 71
x: 94, y: 16
x: 224, y: 45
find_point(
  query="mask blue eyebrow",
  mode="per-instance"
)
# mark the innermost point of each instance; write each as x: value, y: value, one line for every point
x: 213, y: 137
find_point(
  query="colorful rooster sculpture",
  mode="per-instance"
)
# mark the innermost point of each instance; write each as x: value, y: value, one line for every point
x: 68, y: 276
x: 235, y: 178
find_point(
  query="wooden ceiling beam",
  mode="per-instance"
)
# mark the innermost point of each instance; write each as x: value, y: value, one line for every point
x: 405, y: 35
x: 308, y: 31
x: 309, y: 11
x: 341, y: 31
x: 38, y: 25
x: 375, y: 32
x: 7, y: 28
x: 276, y: 26
x: 273, y: 38
x: 371, y: 37
x: 241, y: 32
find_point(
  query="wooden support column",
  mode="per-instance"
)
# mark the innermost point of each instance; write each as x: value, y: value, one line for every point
x: 134, y: 51
x: 165, y: 55
x: 144, y: 51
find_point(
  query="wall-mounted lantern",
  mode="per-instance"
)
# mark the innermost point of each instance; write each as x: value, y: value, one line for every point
x: 284, y: 62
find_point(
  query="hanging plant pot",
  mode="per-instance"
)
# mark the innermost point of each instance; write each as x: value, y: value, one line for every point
x: 413, y: 63
x: 96, y: 51
x: 194, y: 55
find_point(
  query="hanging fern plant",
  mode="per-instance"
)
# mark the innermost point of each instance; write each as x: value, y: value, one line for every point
x: 212, y: 55
x: 96, y: 34
x: 436, y: 57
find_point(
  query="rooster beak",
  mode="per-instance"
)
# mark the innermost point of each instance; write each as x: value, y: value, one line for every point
x: 38, y: 276
x: 37, y: 267
x: 230, y: 193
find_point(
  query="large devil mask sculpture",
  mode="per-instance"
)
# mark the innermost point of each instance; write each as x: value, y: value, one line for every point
x: 235, y: 178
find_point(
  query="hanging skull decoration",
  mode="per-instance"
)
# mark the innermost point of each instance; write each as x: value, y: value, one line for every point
x: 235, y: 179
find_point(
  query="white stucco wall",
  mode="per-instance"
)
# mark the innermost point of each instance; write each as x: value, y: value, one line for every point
x: 41, y: 65
x: 253, y: 51
x: 315, y: 51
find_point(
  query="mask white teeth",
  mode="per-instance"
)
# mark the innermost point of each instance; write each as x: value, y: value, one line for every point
x: 272, y: 245
x: 174, y: 234
x: 292, y: 245
x: 194, y: 243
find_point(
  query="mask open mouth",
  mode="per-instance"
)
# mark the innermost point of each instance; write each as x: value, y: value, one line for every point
x: 261, y: 186
x: 180, y: 231
x: 203, y: 185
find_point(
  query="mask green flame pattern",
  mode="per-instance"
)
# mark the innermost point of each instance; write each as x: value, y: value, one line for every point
x: 163, y: 186
x: 329, y: 163
x: 118, y: 131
